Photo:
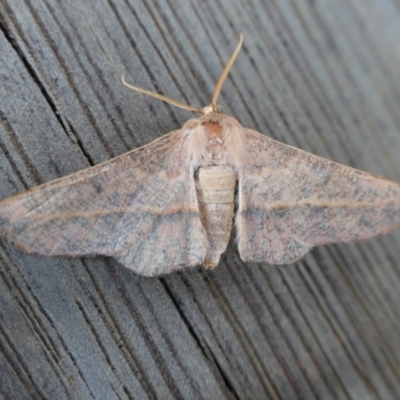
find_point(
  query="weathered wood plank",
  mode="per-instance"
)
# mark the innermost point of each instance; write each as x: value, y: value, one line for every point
x: 318, y: 75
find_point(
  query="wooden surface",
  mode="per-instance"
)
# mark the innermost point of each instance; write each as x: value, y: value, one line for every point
x: 320, y: 75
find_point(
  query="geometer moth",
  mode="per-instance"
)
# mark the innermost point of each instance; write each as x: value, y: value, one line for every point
x: 170, y: 204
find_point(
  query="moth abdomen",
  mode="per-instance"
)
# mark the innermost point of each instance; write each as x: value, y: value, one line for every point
x: 216, y: 193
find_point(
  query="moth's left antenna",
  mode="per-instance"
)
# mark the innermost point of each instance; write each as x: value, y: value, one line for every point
x: 161, y: 97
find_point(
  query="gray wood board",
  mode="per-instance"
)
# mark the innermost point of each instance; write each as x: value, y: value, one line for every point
x: 319, y: 75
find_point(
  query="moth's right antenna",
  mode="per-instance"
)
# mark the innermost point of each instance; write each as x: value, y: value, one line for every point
x: 224, y: 74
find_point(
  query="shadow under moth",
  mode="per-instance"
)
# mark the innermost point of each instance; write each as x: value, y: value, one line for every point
x: 170, y: 204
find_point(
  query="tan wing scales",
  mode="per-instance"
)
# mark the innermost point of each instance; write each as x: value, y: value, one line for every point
x: 291, y: 201
x: 142, y: 203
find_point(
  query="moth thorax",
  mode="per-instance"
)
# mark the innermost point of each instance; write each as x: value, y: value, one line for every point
x: 215, y: 193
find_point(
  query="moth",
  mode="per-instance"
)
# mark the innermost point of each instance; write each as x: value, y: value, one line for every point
x: 170, y: 204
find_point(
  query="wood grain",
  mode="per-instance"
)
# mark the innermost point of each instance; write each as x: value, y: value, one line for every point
x: 322, y: 76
